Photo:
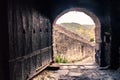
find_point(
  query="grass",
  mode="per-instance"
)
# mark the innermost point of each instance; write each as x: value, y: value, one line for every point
x: 58, y: 59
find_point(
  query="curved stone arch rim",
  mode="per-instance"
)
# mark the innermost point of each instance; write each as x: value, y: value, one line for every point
x: 94, y: 18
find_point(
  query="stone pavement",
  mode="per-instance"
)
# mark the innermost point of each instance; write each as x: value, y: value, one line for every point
x: 78, y: 71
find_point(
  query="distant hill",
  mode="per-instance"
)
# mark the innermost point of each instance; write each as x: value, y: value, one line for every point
x: 85, y: 31
x: 64, y: 32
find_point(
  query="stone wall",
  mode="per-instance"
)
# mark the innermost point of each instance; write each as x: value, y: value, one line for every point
x: 69, y: 46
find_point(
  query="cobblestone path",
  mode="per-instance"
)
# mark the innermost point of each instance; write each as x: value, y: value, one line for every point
x: 79, y: 71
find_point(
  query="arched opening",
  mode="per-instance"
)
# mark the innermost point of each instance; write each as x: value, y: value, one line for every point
x: 83, y: 47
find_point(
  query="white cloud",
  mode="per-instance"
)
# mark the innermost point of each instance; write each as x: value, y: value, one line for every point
x: 75, y: 16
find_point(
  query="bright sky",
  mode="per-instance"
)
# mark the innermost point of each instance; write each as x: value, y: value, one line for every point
x: 76, y: 17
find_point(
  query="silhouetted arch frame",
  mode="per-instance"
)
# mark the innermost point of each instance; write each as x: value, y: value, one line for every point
x: 93, y: 17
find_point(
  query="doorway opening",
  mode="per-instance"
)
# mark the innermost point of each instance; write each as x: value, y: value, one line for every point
x: 76, y: 36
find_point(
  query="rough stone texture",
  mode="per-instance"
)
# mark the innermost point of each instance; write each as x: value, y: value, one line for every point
x: 89, y: 72
x: 74, y: 74
x: 70, y: 46
x: 63, y: 72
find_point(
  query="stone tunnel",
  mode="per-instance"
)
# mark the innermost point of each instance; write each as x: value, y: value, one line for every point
x: 26, y: 29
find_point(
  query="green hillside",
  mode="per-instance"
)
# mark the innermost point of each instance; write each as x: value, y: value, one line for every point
x: 85, y: 31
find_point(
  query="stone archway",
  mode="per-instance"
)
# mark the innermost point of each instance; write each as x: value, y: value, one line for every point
x: 97, y: 30
x: 95, y: 19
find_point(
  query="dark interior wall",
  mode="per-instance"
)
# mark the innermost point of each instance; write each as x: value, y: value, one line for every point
x: 4, y: 69
x: 28, y: 21
x: 99, y: 8
x: 29, y: 39
x: 115, y: 23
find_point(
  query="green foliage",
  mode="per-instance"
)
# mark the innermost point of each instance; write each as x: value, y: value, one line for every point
x: 58, y: 59
x: 64, y: 61
x: 92, y: 39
